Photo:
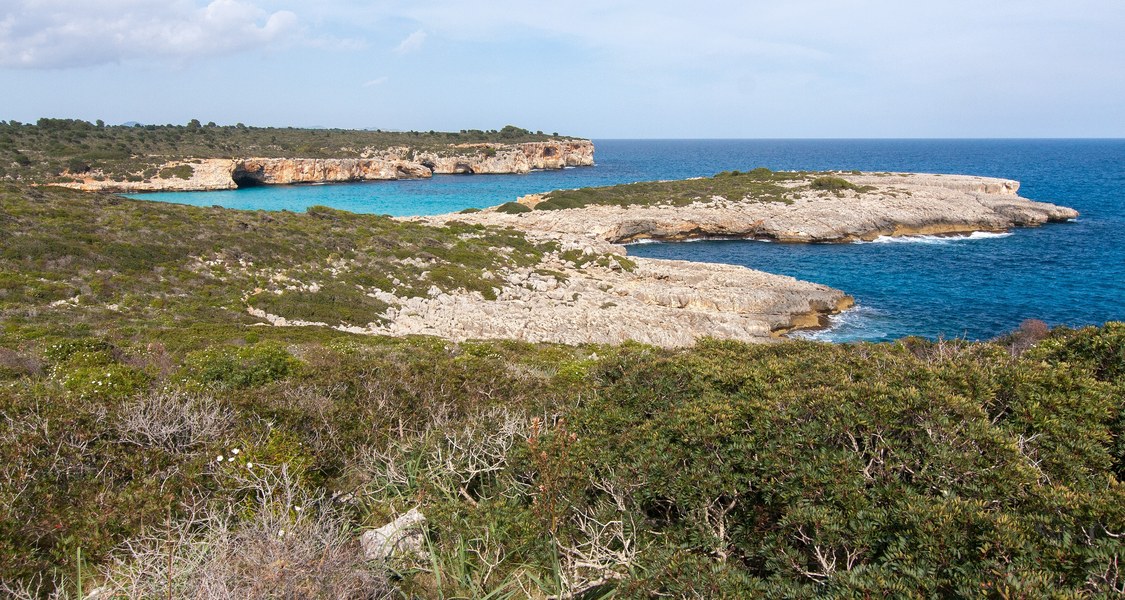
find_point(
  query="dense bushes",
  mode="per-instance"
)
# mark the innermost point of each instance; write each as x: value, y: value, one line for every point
x: 513, y: 208
x: 832, y: 184
x: 146, y: 420
x: 178, y: 171
x: 51, y: 147
x: 864, y: 470
x: 756, y: 185
x: 157, y: 261
x: 791, y: 470
x: 239, y: 367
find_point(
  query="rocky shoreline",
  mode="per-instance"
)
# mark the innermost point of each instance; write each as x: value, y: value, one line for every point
x: 610, y: 301
x: 674, y: 303
x: 586, y: 289
x: 886, y: 204
x: 190, y: 175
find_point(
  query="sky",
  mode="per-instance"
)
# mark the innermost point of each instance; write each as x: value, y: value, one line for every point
x: 591, y: 68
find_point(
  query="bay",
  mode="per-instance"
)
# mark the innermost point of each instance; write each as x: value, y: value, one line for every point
x: 973, y: 287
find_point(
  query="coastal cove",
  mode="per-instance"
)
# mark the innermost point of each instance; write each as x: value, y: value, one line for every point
x: 974, y: 286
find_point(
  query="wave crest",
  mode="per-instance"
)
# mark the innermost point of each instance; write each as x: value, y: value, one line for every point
x: 936, y: 239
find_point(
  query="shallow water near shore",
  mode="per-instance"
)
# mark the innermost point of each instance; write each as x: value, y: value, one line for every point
x: 976, y: 287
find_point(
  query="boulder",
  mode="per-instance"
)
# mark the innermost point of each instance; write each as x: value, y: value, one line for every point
x: 403, y: 536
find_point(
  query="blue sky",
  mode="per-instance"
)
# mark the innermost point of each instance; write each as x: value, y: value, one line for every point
x: 597, y: 68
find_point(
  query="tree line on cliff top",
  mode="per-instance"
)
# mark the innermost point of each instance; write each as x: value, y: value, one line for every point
x: 53, y: 150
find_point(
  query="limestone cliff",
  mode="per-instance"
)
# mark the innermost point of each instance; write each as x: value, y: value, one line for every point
x: 394, y: 163
x: 522, y: 158
x: 284, y: 171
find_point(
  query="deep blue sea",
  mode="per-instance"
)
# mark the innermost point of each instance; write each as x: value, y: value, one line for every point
x: 976, y: 287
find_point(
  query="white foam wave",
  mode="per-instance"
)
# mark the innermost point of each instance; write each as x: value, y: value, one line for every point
x: 717, y: 239
x: 936, y: 239
x: 695, y: 239
x: 859, y: 322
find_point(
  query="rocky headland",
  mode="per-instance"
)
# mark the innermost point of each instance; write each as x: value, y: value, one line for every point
x: 593, y: 294
x: 394, y: 163
x: 587, y: 298
x: 862, y: 207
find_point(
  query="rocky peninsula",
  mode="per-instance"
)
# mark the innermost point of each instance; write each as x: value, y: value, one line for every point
x: 593, y: 294
x: 579, y: 295
x: 401, y: 162
x: 797, y: 207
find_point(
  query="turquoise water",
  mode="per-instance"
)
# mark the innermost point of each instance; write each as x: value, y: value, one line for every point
x: 975, y: 287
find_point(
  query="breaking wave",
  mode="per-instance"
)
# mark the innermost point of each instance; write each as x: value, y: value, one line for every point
x: 936, y: 239
x: 859, y: 322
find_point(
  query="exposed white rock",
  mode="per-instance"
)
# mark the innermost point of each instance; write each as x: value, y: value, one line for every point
x: 403, y: 536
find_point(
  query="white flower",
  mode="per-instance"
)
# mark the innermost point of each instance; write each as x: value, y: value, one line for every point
x: 297, y: 508
x: 249, y: 465
x: 235, y: 451
x: 280, y: 533
x: 219, y: 458
x: 230, y: 459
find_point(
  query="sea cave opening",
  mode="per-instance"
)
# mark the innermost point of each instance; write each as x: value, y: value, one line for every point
x: 245, y: 178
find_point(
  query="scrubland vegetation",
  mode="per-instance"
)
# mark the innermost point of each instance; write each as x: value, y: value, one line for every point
x: 156, y: 440
x: 757, y: 185
x: 53, y: 150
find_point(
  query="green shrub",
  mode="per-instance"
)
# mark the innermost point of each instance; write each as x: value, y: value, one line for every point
x: 77, y: 165
x: 832, y: 184
x: 178, y: 171
x: 245, y: 367
x: 1100, y: 349
x: 115, y: 153
x: 104, y: 382
x: 334, y: 303
x: 512, y: 208
x: 59, y: 353
x: 759, y: 185
x: 560, y: 203
x: 21, y: 288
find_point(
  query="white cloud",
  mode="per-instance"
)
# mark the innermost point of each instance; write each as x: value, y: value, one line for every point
x: 412, y: 42
x: 812, y: 34
x: 61, y: 33
x: 377, y: 81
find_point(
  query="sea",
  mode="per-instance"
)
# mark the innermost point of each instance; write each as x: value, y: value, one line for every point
x: 973, y: 287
